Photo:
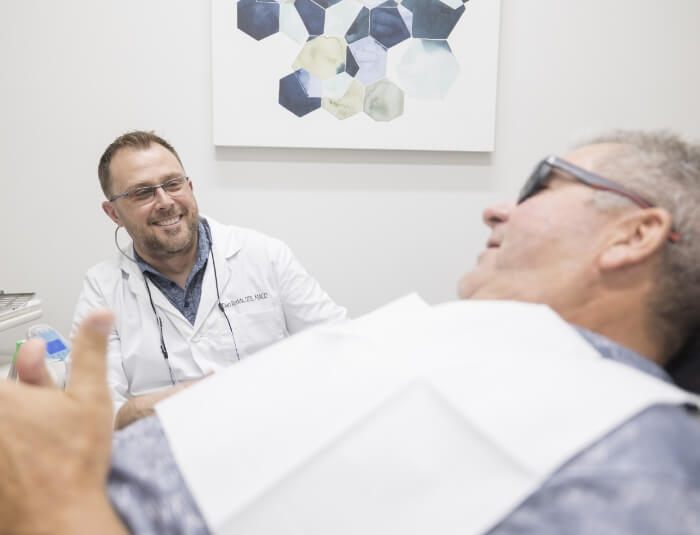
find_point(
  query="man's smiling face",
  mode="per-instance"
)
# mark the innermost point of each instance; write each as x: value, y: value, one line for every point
x: 165, y: 226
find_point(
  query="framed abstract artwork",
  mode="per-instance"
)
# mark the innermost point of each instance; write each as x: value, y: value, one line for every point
x: 358, y: 74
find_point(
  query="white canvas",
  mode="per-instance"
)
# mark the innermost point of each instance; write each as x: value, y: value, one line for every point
x: 246, y: 79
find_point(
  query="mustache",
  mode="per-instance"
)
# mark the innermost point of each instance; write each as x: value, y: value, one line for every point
x: 170, y: 213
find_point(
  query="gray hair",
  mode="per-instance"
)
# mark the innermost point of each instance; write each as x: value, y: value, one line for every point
x: 664, y: 169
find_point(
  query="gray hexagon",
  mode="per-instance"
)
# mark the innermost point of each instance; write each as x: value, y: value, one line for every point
x: 383, y: 100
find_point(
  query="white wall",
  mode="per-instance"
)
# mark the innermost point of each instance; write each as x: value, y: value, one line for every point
x: 370, y: 225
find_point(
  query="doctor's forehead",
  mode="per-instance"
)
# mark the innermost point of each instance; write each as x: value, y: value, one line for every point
x: 149, y: 164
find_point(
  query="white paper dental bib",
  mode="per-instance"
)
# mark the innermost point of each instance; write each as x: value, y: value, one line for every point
x: 410, y: 420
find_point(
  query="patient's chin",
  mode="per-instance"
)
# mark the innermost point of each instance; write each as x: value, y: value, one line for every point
x: 468, y: 286
x: 486, y: 284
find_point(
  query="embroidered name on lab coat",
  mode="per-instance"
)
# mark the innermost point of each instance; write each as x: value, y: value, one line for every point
x: 260, y: 296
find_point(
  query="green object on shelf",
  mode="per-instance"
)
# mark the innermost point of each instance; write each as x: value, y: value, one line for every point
x: 12, y: 374
x: 18, y: 344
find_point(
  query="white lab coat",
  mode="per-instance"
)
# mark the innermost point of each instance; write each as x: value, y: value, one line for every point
x: 266, y: 292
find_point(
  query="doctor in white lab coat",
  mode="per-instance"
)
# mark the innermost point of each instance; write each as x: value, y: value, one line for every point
x: 253, y: 291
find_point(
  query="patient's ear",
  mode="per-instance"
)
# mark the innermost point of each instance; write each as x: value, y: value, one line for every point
x: 635, y: 237
x: 111, y: 212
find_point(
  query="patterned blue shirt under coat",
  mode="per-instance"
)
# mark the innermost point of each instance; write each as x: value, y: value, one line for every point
x: 186, y: 299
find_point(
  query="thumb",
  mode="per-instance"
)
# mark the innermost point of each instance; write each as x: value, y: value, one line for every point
x: 88, y: 378
x: 30, y: 364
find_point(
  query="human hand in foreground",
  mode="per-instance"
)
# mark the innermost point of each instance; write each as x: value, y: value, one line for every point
x: 55, y: 445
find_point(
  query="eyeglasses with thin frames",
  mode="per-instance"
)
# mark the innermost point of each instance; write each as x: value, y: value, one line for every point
x: 146, y: 194
x: 538, y: 180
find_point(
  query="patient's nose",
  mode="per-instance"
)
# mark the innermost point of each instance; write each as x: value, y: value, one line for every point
x: 497, y: 213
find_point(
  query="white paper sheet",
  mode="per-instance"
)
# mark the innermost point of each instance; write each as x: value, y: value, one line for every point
x: 410, y: 420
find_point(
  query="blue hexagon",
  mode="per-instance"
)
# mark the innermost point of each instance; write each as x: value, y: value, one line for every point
x: 432, y: 19
x: 371, y: 58
x: 387, y: 26
x: 351, y: 66
x: 313, y: 15
x: 372, y: 3
x: 293, y: 97
x: 258, y: 19
x: 327, y: 3
x: 359, y: 28
x: 309, y: 83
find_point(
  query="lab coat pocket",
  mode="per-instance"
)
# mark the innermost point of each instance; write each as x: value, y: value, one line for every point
x: 257, y: 330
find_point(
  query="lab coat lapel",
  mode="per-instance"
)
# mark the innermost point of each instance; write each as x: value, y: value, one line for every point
x: 224, y: 245
x: 137, y: 285
x: 133, y: 273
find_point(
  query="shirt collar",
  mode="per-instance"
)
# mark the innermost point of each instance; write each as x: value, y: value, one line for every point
x: 613, y: 351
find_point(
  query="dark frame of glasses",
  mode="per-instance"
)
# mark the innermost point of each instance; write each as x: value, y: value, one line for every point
x: 151, y: 189
x: 537, y: 180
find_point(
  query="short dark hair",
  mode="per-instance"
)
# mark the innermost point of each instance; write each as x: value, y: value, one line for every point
x: 137, y: 139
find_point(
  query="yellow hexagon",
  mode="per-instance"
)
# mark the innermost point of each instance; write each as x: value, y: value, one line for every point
x: 349, y: 104
x: 323, y: 56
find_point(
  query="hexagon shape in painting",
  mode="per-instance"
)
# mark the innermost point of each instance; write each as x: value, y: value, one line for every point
x: 323, y: 57
x: 258, y: 19
x: 313, y: 15
x: 325, y: 4
x: 336, y: 86
x: 432, y: 19
x: 291, y: 24
x: 349, y: 104
x: 293, y: 97
x: 428, y: 69
x: 309, y: 83
x: 371, y: 58
x: 359, y: 29
x: 454, y: 4
x: 340, y: 16
x: 383, y: 100
x: 351, y: 66
x: 407, y: 17
x: 387, y: 26
x: 372, y: 3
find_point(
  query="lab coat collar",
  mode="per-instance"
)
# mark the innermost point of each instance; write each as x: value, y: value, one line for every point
x: 224, y: 241
x: 131, y: 270
x: 225, y: 244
